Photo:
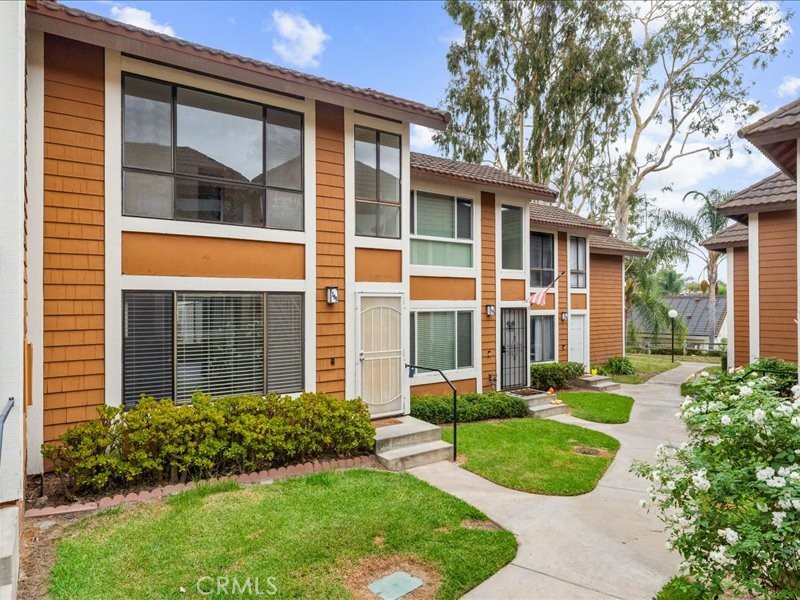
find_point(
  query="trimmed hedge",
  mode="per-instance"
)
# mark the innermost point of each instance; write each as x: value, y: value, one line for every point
x: 470, y: 407
x: 555, y: 375
x: 158, y: 441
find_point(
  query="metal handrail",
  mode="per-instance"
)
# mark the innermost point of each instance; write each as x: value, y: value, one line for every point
x: 3, y: 416
x: 411, y: 368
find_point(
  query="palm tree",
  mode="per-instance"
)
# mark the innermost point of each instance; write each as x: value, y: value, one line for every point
x: 670, y: 281
x: 685, y: 234
x: 644, y: 293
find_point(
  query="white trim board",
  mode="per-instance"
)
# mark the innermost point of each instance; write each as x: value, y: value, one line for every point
x: 753, y: 288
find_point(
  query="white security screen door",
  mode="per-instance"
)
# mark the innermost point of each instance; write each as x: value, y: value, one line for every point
x: 380, y: 354
x: 577, y: 339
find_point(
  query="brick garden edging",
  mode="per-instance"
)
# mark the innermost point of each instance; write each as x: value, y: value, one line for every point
x: 170, y: 490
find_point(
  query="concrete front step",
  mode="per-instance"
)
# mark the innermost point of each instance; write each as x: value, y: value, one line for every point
x: 605, y: 386
x: 544, y: 411
x: 408, y: 432
x: 539, y: 399
x: 599, y: 383
x: 408, y: 457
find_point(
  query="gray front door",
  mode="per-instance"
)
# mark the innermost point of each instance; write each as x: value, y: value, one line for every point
x: 513, y: 348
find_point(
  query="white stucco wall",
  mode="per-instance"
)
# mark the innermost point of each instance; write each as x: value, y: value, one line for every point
x: 12, y: 147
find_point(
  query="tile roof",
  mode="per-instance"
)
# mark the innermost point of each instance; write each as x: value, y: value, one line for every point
x: 547, y: 214
x: 776, y: 192
x: 613, y: 245
x: 55, y: 9
x: 786, y: 116
x: 733, y: 236
x: 478, y: 174
x: 693, y: 309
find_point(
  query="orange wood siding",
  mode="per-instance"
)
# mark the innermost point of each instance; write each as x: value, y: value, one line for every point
x: 563, y: 326
x: 549, y: 303
x: 577, y: 301
x: 512, y: 290
x: 194, y: 256
x: 777, y: 280
x: 330, y: 248
x: 741, y: 307
x: 605, y: 314
x: 373, y: 264
x: 464, y: 386
x: 442, y: 288
x: 73, y: 233
x: 488, y: 291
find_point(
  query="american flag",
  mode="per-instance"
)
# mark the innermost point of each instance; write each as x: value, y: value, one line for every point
x: 540, y: 297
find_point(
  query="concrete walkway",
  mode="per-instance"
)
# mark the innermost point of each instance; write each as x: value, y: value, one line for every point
x: 596, y: 546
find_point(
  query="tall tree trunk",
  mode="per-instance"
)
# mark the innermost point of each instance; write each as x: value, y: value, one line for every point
x: 713, y: 260
x: 623, y: 218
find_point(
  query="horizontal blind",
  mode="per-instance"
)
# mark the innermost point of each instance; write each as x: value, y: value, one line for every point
x: 435, y: 215
x: 220, y: 344
x: 464, y: 339
x: 436, y: 340
x: 285, y: 343
x: 443, y: 254
x: 147, y: 359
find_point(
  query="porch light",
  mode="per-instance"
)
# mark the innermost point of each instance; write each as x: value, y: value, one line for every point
x: 490, y: 310
x: 332, y: 294
x: 564, y: 316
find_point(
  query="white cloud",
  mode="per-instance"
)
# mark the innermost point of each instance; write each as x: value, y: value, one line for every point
x: 422, y: 139
x: 140, y: 18
x: 301, y: 43
x: 789, y: 86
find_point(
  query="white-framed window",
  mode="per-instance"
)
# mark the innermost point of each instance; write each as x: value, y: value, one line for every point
x: 442, y: 339
x: 377, y: 182
x: 542, y: 338
x: 511, y: 221
x: 542, y: 259
x: 577, y: 262
x: 192, y: 155
x: 441, y: 229
x: 220, y: 343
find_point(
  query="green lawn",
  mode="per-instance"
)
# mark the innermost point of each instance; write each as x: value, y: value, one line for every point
x: 600, y: 407
x: 535, y: 455
x: 646, y: 366
x: 680, y: 588
x: 306, y: 532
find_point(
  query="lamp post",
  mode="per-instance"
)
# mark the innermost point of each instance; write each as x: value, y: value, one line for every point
x: 672, y: 314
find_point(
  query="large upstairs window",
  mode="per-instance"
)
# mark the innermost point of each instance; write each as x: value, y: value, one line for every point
x: 512, y: 241
x: 377, y: 183
x: 441, y: 228
x: 191, y: 155
x: 577, y: 262
x: 541, y: 259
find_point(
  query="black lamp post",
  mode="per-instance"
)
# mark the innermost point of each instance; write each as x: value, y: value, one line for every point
x: 672, y: 314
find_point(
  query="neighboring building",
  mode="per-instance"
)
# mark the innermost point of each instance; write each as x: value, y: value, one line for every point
x: 583, y: 318
x: 761, y: 250
x: 693, y: 311
x: 199, y: 220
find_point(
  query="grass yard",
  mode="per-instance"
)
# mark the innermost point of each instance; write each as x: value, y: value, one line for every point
x: 680, y: 588
x: 647, y: 365
x: 535, y: 455
x: 315, y: 535
x: 600, y: 407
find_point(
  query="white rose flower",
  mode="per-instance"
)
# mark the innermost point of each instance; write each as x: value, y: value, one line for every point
x: 777, y: 518
x: 703, y: 373
x: 758, y: 416
x: 700, y: 481
x: 729, y: 534
x: 762, y: 507
x: 725, y: 419
x: 796, y: 390
x: 785, y: 503
x: 765, y: 473
x: 745, y: 390
x: 796, y: 504
x: 777, y: 482
x: 670, y: 485
x: 796, y: 422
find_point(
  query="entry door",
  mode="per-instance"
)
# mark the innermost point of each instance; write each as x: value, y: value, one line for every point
x: 380, y: 354
x: 513, y: 348
x: 577, y: 339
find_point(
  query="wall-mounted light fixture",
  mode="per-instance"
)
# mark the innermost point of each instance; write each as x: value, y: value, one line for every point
x: 332, y: 294
x: 490, y: 310
x: 564, y: 316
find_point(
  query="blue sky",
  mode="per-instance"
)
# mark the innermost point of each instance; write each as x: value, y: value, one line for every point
x: 400, y: 48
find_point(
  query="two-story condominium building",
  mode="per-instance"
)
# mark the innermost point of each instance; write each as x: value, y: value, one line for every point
x: 198, y: 220
x: 761, y: 257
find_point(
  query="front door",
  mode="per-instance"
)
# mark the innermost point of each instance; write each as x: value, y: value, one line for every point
x: 380, y: 354
x: 513, y: 348
x: 577, y: 339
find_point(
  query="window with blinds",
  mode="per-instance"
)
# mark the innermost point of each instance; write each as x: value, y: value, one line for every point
x: 442, y: 339
x: 175, y: 344
x: 542, y: 338
x: 437, y: 217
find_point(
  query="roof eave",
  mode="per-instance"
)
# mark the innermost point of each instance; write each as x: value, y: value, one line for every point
x: 588, y: 230
x: 526, y: 193
x: 154, y: 49
x: 618, y: 251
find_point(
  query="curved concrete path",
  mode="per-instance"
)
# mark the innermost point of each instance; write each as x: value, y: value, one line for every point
x: 596, y: 546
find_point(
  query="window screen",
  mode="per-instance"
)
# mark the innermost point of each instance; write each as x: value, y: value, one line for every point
x: 442, y: 339
x: 541, y: 259
x: 284, y: 343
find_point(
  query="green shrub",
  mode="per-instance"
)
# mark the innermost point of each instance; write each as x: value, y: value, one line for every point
x: 555, y: 375
x: 470, y: 407
x: 618, y: 365
x: 158, y: 441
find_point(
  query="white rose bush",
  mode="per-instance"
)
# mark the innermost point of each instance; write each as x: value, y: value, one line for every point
x: 729, y: 497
